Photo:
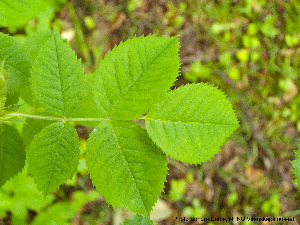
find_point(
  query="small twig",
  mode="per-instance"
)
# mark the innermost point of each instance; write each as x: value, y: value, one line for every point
x: 254, y: 132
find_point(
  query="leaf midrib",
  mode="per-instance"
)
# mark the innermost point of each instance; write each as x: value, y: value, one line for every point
x: 59, y: 74
x: 8, y: 62
x: 120, y: 148
x: 189, y: 122
x: 56, y: 153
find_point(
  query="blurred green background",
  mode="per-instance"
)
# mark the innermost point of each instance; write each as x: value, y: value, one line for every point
x: 249, y: 49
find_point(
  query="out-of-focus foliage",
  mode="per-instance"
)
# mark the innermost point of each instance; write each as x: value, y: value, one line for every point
x: 178, y: 188
x: 296, y: 165
x: 19, y: 12
x: 20, y: 194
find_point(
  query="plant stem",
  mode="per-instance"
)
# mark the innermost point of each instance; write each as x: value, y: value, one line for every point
x: 14, y: 114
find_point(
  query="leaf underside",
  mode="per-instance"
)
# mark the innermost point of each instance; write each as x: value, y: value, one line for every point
x: 57, y: 77
x: 18, y: 12
x: 296, y: 166
x: 135, y: 75
x: 12, y: 152
x: 125, y: 165
x: 191, y: 123
x: 33, y: 45
x: 53, y: 156
x: 16, y: 62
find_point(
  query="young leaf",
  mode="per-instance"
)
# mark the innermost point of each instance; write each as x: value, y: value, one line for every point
x: 57, y: 77
x: 18, y: 12
x: 88, y: 108
x: 53, y: 156
x: 135, y: 75
x: 35, y: 42
x: 2, y: 103
x: 33, y: 45
x: 26, y: 94
x: 139, y: 220
x: 12, y: 98
x: 191, y: 123
x: 12, y: 152
x: 296, y: 165
x: 31, y: 128
x: 3, y: 80
x: 16, y: 62
x: 120, y: 152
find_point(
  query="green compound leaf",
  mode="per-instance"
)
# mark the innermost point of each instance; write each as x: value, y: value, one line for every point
x: 139, y: 220
x: 18, y: 12
x: 120, y: 152
x: 57, y: 77
x: 135, y: 75
x: 53, y: 156
x: 192, y: 122
x: 12, y: 152
x: 296, y: 165
x: 16, y: 62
